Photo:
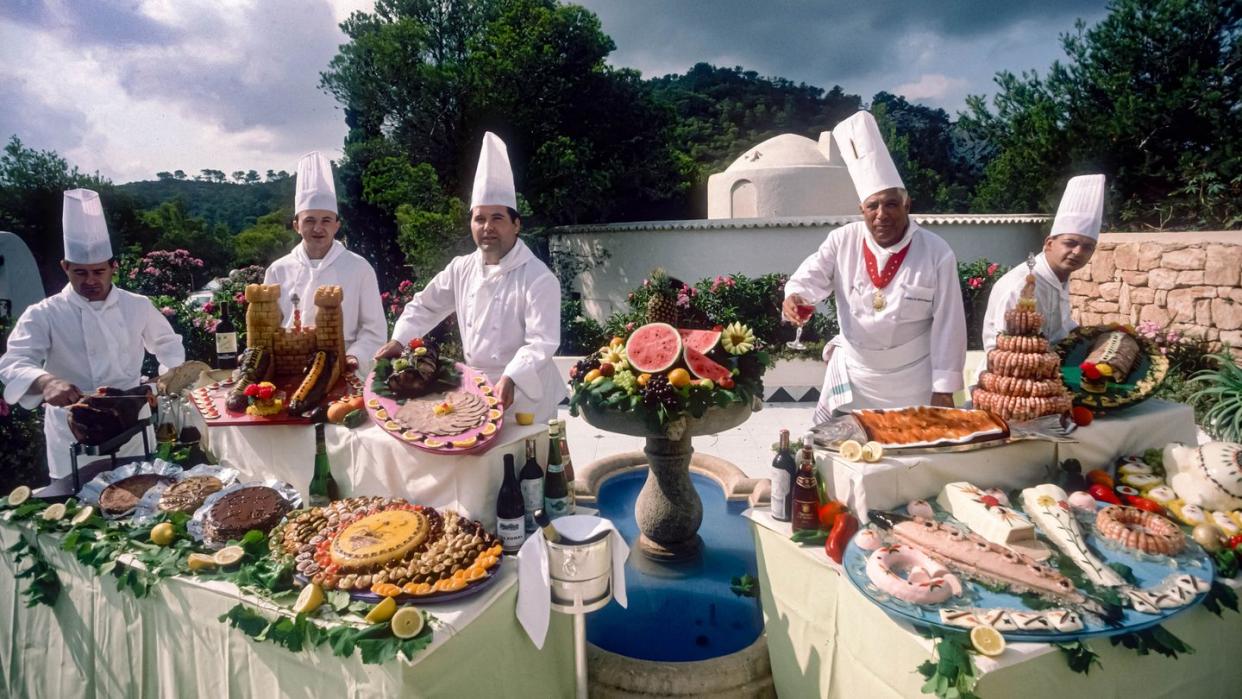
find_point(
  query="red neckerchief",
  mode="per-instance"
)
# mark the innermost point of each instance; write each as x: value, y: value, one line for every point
x: 878, y: 278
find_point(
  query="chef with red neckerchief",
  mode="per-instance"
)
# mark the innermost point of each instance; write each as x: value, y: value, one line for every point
x: 899, y: 304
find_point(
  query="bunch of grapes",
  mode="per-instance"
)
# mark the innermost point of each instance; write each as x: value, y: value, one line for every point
x: 659, y: 391
x: 583, y: 366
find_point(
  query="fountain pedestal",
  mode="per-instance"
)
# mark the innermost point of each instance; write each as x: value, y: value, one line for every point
x: 668, y: 509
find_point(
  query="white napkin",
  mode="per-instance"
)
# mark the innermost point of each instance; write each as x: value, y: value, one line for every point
x: 534, y: 603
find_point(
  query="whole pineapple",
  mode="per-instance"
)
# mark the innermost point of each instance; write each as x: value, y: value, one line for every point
x: 662, y: 304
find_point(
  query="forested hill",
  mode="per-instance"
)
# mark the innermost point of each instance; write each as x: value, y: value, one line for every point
x: 236, y: 206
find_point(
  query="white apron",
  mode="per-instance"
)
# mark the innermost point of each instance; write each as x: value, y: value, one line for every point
x: 876, y: 379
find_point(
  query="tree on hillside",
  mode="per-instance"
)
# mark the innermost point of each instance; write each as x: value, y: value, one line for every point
x: 177, y: 230
x: 178, y: 174
x: 1149, y: 96
x: 937, y: 165
x: 268, y: 239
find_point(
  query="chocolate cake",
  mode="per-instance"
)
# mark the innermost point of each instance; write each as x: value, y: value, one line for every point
x: 188, y: 494
x: 255, y: 507
x: 123, y: 496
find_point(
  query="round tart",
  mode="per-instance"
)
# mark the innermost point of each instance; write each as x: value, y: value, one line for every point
x: 379, y: 539
x: 123, y: 496
x: 188, y: 494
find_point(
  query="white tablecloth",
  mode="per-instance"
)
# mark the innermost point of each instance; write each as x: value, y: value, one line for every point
x: 369, y: 461
x: 894, y: 481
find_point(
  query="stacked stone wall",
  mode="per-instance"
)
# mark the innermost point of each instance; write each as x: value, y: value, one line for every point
x: 1187, y: 282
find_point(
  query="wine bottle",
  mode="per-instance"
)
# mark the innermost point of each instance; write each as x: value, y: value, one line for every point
x: 569, y: 466
x: 322, y: 488
x: 531, y: 482
x: 226, y: 340
x: 555, y: 487
x: 510, y: 510
x: 805, y: 496
x: 784, y: 471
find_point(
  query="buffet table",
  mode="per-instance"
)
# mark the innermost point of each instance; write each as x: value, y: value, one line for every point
x: 97, y: 641
x: 826, y: 639
x: 894, y: 481
x: 368, y: 461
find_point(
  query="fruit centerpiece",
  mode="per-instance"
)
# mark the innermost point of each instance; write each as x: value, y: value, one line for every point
x: 668, y: 385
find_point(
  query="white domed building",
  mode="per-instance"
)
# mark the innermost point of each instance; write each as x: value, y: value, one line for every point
x: 786, y: 175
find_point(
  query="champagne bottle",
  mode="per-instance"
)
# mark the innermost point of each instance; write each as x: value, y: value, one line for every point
x: 544, y: 522
x: 226, y: 340
x: 805, y: 496
x: 510, y: 510
x: 784, y: 471
x: 323, y: 488
x: 531, y: 482
x: 569, y: 466
x: 555, y: 487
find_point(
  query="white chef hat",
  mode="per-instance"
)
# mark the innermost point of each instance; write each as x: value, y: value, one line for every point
x: 1082, y: 207
x: 85, y: 229
x: 866, y: 157
x: 315, y: 188
x: 493, y: 180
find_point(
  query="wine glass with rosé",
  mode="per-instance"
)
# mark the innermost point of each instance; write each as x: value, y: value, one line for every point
x: 805, y: 311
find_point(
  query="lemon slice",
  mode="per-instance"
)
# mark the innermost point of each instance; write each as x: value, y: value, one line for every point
x: 872, y: 452
x: 229, y: 555
x: 382, y: 611
x: 433, y: 443
x: 19, y: 495
x: 851, y: 450
x: 162, y: 534
x: 54, y: 512
x: 406, y: 622
x: 987, y: 640
x: 309, y: 600
x: 201, y: 562
x: 381, y: 414
x: 373, y: 403
x: 489, y: 428
x: 466, y: 443
x: 83, y: 514
x: 495, y: 414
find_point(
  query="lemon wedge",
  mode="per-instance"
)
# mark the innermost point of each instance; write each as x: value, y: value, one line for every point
x: 19, y: 495
x: 987, y: 641
x: 382, y: 611
x: 229, y: 555
x: 872, y: 452
x: 851, y: 450
x: 407, y: 622
x: 201, y: 562
x: 83, y: 514
x: 310, y: 599
x: 54, y: 512
x: 162, y: 534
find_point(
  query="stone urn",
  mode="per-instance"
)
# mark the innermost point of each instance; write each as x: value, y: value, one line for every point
x: 668, y: 509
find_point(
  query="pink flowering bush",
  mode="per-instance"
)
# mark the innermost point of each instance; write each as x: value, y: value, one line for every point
x: 161, y: 273
x: 976, y: 280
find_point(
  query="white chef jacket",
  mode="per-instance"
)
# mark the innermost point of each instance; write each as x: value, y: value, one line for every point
x: 509, y: 315
x: 89, y: 347
x: 1051, y: 295
x: 900, y: 355
x: 361, y: 310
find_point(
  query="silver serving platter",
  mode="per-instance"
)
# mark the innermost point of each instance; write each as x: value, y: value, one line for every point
x: 831, y: 434
x: 91, y: 491
x: 148, y: 506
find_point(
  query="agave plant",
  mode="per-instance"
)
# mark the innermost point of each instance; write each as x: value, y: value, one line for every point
x: 1222, y: 388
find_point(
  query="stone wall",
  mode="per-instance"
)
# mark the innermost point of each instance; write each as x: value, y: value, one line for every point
x: 1189, y: 282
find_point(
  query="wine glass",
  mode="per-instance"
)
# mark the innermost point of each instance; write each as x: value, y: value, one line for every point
x: 805, y: 311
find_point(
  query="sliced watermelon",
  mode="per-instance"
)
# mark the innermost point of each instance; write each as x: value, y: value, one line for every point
x: 701, y: 341
x: 705, y: 368
x: 653, y: 348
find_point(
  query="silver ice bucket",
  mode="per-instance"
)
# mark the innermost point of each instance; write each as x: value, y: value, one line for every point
x: 581, y: 574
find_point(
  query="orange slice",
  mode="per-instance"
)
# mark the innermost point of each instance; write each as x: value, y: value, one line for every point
x: 475, y: 573
x: 423, y: 589
x: 386, y: 589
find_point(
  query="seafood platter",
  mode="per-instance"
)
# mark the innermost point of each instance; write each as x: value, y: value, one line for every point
x: 432, y: 403
x: 928, y: 429
x: 1109, y: 367
x: 1050, y: 568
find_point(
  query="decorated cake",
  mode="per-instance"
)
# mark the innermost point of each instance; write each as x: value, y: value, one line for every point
x: 253, y: 507
x: 925, y: 425
x: 379, y: 539
x: 123, y: 496
x: 1023, y: 378
x: 188, y: 494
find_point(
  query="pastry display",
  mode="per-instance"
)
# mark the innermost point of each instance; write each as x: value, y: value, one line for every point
x: 987, y: 517
x: 123, y: 496
x: 106, y: 413
x: 926, y: 581
x: 1140, y: 530
x: 188, y: 494
x: 925, y: 425
x: 1209, y: 476
x: 1112, y: 356
x: 251, y: 507
x: 1023, y: 377
x: 1046, y: 505
x: 1051, y: 620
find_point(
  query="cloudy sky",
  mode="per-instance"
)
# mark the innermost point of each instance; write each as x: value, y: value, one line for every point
x: 132, y: 87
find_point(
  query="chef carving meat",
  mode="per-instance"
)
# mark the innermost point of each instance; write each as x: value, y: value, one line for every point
x: 903, y: 330
x: 508, y: 303
x: 88, y: 336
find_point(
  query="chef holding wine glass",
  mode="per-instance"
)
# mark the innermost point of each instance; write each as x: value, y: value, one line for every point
x: 903, y: 327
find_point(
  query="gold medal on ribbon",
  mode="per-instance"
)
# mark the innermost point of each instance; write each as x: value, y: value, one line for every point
x: 877, y: 301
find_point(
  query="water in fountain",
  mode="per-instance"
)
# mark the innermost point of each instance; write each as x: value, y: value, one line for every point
x: 680, y: 611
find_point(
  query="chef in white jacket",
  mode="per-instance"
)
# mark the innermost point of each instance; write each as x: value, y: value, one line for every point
x: 321, y: 260
x: 903, y: 328
x: 1067, y: 249
x: 88, y: 336
x: 508, y: 303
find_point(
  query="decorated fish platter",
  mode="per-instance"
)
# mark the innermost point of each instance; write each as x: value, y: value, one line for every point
x: 1110, y: 367
x: 930, y: 586
x: 464, y: 419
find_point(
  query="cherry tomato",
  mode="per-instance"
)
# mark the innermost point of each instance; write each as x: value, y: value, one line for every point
x: 1103, y: 494
x: 1235, y: 541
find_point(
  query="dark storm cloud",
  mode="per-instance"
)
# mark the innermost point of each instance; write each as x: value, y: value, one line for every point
x: 38, y: 124
x: 90, y: 22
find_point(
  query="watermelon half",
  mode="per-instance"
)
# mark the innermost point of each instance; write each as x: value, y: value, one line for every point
x: 705, y: 368
x: 653, y: 348
x: 701, y: 341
